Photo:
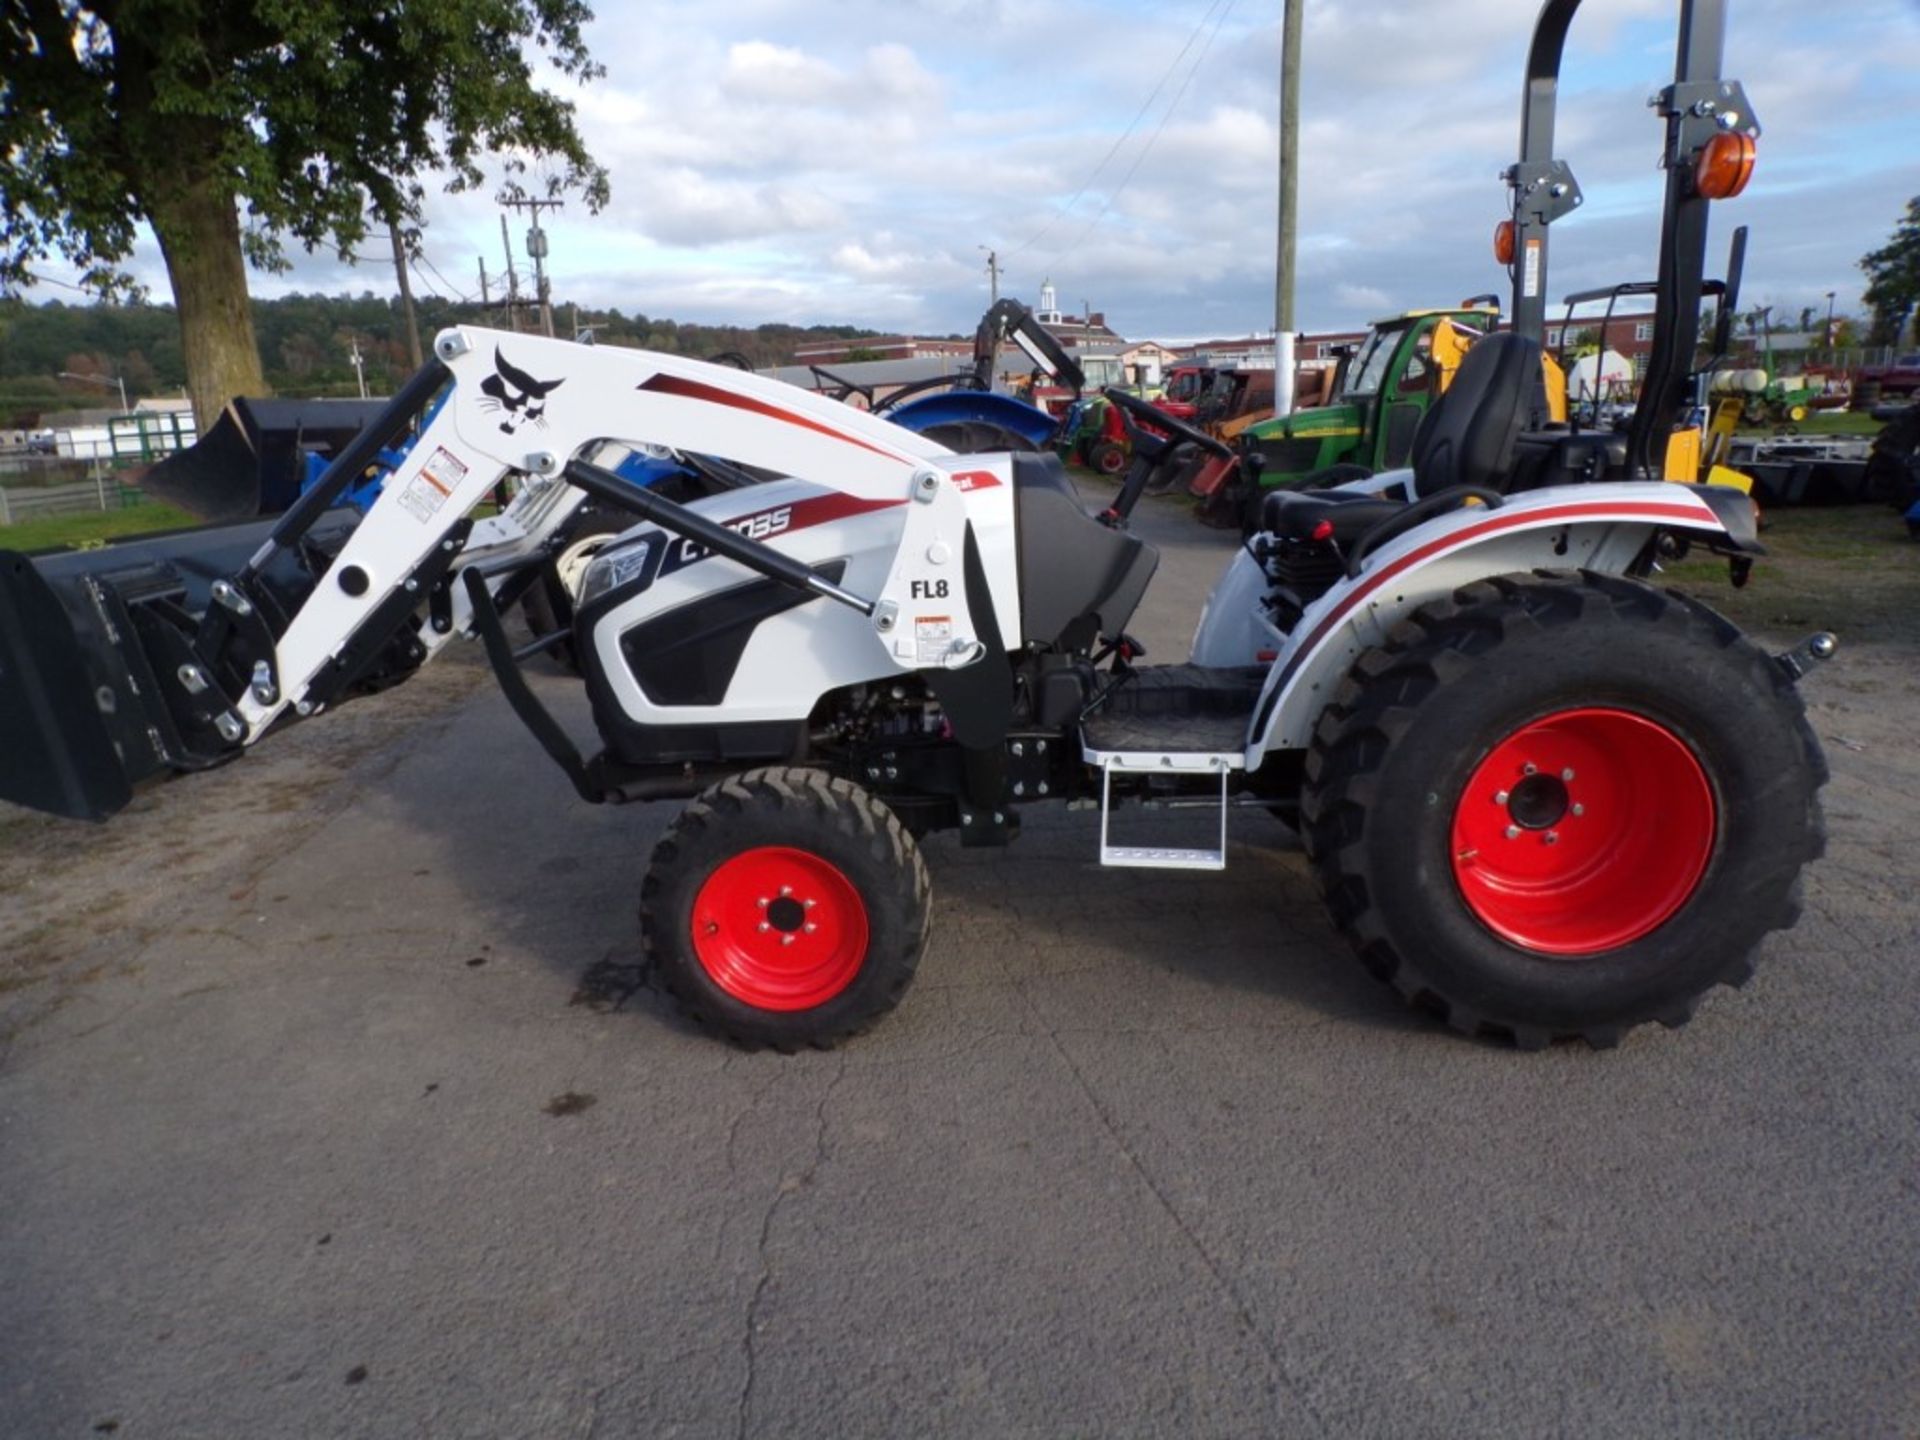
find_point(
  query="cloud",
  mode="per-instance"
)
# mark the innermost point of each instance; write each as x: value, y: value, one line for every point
x: 684, y: 207
x: 1368, y: 298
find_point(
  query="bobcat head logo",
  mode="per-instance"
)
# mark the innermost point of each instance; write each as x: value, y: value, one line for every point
x: 518, y: 394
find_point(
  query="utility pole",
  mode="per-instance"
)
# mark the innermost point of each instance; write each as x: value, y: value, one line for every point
x: 486, y: 300
x: 584, y: 334
x: 513, y: 281
x: 1830, y: 295
x: 406, y: 294
x: 993, y: 275
x: 358, y: 361
x: 1283, y: 323
x: 107, y: 382
x: 537, y: 249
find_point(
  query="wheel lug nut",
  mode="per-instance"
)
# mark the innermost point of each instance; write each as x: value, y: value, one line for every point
x: 762, y: 902
x: 1579, y: 810
x: 1513, y: 832
x: 1567, y: 774
x: 810, y: 927
x: 786, y: 889
x: 810, y: 903
x: 787, y: 939
x: 765, y: 926
x: 1552, y: 837
x: 1529, y: 768
x: 1499, y: 797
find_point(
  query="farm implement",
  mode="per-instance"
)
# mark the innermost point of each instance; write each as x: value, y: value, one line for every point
x: 1544, y: 797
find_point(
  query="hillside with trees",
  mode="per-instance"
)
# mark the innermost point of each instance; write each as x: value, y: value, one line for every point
x: 306, y: 345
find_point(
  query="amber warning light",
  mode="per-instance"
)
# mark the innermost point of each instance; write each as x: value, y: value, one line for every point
x: 1725, y: 165
x: 1503, y: 242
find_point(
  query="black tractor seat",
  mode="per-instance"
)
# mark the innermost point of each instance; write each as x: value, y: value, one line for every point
x: 1468, y: 439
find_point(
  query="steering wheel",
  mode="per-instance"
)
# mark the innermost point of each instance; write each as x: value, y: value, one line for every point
x: 1153, y: 415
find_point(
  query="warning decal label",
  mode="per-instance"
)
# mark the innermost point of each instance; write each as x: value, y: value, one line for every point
x: 433, y: 486
x: 932, y: 637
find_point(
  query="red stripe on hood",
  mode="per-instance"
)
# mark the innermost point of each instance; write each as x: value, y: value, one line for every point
x: 664, y: 384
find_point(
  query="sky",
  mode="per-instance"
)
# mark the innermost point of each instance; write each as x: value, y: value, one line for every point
x: 853, y: 161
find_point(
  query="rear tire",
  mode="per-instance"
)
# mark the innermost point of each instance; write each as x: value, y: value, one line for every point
x: 1688, y: 746
x: 785, y: 908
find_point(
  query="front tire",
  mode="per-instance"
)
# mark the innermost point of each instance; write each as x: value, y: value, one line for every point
x: 1562, y: 806
x: 785, y: 908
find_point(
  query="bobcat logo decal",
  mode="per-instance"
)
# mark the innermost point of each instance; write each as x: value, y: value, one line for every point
x: 518, y: 394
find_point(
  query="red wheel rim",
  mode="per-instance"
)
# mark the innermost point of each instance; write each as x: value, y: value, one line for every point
x: 1583, y: 831
x: 780, y: 928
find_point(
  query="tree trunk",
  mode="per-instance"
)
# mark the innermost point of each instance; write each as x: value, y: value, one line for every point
x: 406, y: 290
x: 199, y: 232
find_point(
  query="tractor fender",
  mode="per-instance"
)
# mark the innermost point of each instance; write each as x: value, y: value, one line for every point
x: 1602, y: 527
x: 987, y: 407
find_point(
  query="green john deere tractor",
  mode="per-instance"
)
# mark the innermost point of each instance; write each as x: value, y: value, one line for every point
x: 1380, y: 394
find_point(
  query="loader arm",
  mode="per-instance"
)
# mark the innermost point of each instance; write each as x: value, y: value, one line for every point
x: 135, y: 661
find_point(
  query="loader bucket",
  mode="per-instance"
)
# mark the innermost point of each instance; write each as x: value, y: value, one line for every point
x: 55, y: 752
x: 252, y: 461
x: 93, y: 646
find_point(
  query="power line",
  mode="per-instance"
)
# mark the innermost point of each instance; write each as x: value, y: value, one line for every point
x: 464, y: 299
x: 451, y: 293
x: 49, y: 280
x: 1132, y: 124
x: 413, y: 264
x: 1147, y: 149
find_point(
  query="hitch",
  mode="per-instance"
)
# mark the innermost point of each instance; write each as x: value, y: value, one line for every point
x: 1810, y: 653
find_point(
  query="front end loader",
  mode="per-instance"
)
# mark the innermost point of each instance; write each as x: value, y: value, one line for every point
x: 1544, y: 797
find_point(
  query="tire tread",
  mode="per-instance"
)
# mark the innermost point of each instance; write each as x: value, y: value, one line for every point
x: 1378, y: 703
x: 833, y: 804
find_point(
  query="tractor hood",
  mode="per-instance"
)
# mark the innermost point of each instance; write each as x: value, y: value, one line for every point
x: 1315, y: 424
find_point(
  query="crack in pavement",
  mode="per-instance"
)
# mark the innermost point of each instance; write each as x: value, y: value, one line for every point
x: 1278, y: 1376
x: 781, y: 1192
x: 733, y: 1135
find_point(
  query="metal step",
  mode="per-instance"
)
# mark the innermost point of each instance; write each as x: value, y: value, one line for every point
x: 1173, y: 709
x: 1147, y: 762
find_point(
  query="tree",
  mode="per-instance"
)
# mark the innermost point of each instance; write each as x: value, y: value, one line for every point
x: 317, y: 116
x: 1893, y: 279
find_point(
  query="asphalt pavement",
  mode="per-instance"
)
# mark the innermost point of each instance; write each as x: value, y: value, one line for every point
x: 334, y: 1102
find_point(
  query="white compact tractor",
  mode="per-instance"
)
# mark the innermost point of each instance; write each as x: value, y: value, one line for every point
x: 1544, y: 797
